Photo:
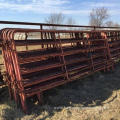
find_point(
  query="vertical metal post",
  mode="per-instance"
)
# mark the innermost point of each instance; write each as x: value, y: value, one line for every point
x: 41, y: 28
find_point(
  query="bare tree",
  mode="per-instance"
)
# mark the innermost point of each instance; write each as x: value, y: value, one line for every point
x: 116, y: 25
x: 70, y: 21
x: 55, y: 18
x: 59, y: 18
x: 111, y: 24
x: 98, y: 16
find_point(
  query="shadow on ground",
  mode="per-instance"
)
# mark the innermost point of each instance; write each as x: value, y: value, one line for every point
x: 87, y: 92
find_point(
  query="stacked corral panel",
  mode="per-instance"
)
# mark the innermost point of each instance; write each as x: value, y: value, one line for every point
x: 114, y: 44
x: 100, y: 52
x: 37, y: 60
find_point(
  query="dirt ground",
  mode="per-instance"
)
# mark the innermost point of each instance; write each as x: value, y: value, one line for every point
x: 93, y: 98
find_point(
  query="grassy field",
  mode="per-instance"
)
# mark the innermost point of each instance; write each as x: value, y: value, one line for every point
x: 94, y: 98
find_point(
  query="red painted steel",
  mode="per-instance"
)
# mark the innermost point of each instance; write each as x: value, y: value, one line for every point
x: 62, y: 56
x: 57, y: 57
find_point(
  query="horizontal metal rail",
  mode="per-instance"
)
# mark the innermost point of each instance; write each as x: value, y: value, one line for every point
x: 60, y: 56
x: 57, y: 25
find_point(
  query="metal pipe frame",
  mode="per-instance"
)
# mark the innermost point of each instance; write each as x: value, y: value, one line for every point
x: 58, y: 61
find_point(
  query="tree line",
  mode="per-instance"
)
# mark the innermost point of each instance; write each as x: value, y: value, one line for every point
x: 97, y: 17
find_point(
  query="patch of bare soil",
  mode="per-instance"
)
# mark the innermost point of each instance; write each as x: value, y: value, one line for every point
x: 94, y: 98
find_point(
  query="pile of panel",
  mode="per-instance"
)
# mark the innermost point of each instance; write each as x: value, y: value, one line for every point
x: 100, y: 52
x: 37, y: 60
x: 113, y: 38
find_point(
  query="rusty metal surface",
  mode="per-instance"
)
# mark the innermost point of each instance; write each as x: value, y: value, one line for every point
x: 62, y: 56
x: 45, y: 24
x: 49, y: 58
x: 57, y: 25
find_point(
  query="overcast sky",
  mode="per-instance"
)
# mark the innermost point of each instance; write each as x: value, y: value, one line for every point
x: 37, y: 10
